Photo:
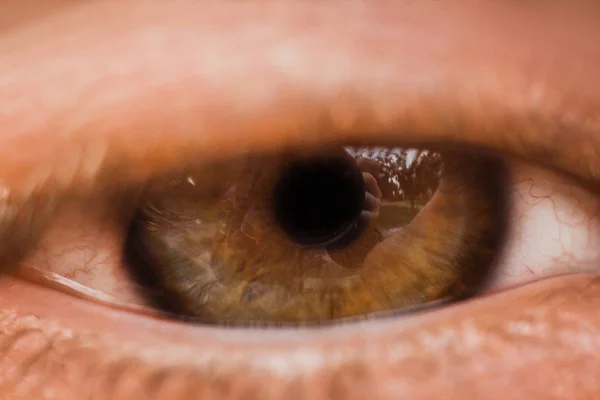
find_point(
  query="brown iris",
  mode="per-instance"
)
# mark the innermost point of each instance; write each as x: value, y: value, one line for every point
x: 302, y: 237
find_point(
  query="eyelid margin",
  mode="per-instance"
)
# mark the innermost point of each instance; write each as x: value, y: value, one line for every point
x: 68, y: 286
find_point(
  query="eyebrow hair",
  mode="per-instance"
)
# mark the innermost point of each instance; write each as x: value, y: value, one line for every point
x: 77, y: 108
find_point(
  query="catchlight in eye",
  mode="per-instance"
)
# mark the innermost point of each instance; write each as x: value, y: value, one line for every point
x: 301, y: 237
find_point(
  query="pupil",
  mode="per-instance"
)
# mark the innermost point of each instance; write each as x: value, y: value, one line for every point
x: 318, y: 201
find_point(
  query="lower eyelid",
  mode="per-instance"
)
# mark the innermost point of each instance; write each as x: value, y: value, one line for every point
x: 439, y: 347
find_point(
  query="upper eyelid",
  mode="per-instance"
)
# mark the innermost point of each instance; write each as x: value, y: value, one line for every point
x: 75, y: 108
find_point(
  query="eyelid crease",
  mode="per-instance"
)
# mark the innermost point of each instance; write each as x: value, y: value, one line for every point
x: 260, y: 73
x: 58, y: 282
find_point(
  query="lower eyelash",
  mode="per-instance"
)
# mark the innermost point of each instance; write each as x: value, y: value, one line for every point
x: 208, y: 247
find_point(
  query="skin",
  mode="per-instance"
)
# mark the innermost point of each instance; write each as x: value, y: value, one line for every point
x: 105, y: 93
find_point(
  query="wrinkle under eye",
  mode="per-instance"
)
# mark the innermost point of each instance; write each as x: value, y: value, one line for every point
x: 222, y: 242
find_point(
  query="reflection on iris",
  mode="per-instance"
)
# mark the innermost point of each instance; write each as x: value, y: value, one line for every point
x: 301, y: 237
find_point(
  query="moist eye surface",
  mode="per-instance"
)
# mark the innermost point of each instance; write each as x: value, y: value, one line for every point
x: 302, y: 237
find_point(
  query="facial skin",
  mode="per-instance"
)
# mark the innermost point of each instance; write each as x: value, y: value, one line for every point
x: 110, y: 93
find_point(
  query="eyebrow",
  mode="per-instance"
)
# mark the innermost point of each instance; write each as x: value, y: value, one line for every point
x: 116, y: 103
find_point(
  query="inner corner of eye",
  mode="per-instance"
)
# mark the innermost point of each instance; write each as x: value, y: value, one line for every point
x: 309, y: 237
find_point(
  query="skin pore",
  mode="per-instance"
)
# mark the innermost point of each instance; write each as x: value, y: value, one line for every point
x: 110, y: 93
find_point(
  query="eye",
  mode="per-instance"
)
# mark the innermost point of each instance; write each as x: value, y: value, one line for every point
x: 380, y: 230
x: 294, y: 237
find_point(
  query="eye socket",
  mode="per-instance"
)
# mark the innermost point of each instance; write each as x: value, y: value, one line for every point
x: 313, y: 237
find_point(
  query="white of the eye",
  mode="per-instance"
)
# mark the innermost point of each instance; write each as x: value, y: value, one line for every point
x: 85, y: 245
x: 554, y: 228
